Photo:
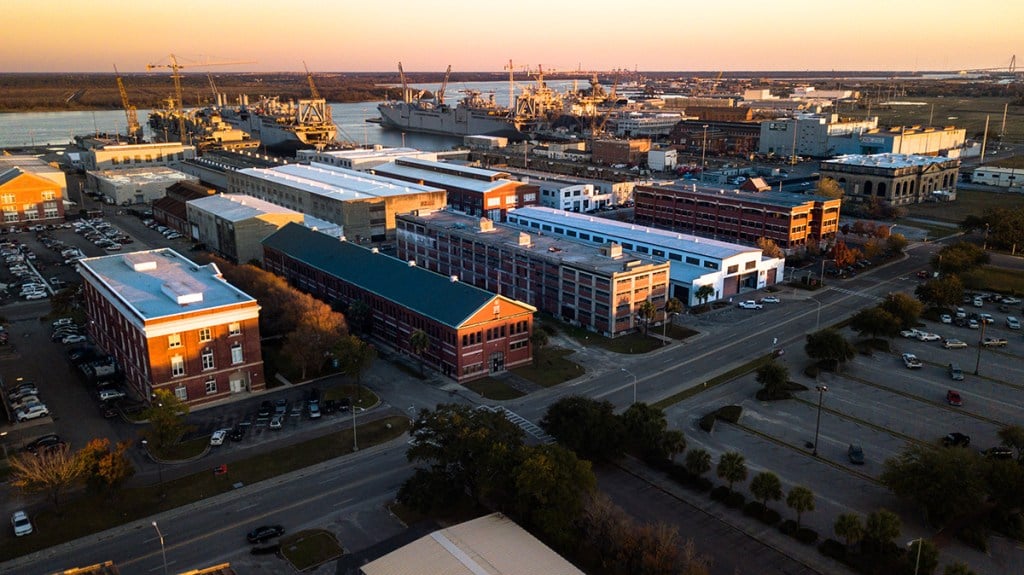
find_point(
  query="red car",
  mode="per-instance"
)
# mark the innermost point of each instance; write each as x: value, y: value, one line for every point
x: 953, y: 398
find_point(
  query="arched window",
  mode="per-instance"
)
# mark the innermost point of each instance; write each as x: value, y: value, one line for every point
x: 881, y: 190
x: 867, y: 187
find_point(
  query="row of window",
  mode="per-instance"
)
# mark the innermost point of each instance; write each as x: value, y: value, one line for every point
x: 205, y: 335
x: 178, y: 362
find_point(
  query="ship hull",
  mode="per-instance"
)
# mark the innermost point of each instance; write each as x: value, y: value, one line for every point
x: 445, y: 122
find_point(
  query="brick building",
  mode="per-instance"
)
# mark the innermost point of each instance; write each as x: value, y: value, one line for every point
x: 27, y: 198
x: 127, y: 156
x: 475, y: 191
x: 472, y: 332
x: 609, y: 152
x: 895, y: 178
x: 173, y: 325
x: 170, y: 210
x: 739, y: 138
x: 790, y: 220
x: 597, y: 287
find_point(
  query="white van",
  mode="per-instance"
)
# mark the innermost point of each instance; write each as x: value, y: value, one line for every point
x: 1012, y: 322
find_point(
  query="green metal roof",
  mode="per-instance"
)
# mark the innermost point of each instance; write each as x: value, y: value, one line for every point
x: 421, y: 290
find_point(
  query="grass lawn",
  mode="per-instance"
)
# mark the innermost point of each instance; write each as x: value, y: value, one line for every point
x: 630, y: 343
x: 993, y: 279
x: 680, y: 332
x: 310, y: 548
x: 550, y: 367
x: 183, y: 450
x: 968, y: 202
x: 89, y: 513
x: 405, y: 514
x: 719, y: 379
x: 491, y: 388
x: 962, y: 112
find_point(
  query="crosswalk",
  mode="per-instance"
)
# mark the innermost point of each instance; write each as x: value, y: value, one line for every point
x: 856, y: 293
x: 523, y: 423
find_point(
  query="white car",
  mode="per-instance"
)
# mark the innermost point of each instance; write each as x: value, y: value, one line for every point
x: 925, y: 336
x: 954, y: 344
x: 110, y: 394
x: 770, y: 299
x: 218, y: 437
x: 1010, y: 301
x: 945, y: 318
x: 33, y: 411
x: 73, y: 338
x: 750, y: 304
x: 910, y: 360
x: 1012, y: 322
x: 21, y: 524
x: 910, y: 333
x: 36, y: 295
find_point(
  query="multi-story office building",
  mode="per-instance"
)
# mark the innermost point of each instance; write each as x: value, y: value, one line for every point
x: 894, y: 178
x: 27, y: 198
x: 790, y: 220
x: 172, y: 324
x: 135, y: 186
x: 597, y: 287
x: 729, y: 269
x: 472, y: 332
x: 126, y: 156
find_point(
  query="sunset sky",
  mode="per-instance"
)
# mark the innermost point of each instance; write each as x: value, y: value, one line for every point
x: 347, y: 35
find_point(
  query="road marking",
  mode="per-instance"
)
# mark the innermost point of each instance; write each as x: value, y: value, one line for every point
x: 161, y: 567
x: 246, y: 507
x: 345, y: 502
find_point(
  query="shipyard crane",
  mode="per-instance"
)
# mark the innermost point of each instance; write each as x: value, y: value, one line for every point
x: 405, y: 84
x: 439, y: 97
x: 315, y: 94
x: 134, y: 129
x: 213, y: 88
x: 175, y: 68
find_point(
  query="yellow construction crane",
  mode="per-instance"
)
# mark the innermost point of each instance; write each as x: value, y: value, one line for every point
x: 178, y: 105
x: 444, y: 86
x: 134, y: 129
x: 315, y: 94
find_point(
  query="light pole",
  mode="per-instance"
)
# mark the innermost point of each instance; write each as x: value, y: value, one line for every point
x: 703, y: 152
x: 920, y: 544
x: 817, y: 426
x: 159, y: 468
x: 633, y: 375
x: 981, y: 341
x: 163, y: 550
x: 821, y: 275
x: 355, y: 444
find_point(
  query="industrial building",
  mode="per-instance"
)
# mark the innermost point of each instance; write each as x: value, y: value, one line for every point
x: 233, y: 226
x: 790, y: 220
x: 363, y: 204
x: 1008, y: 175
x: 908, y: 140
x: 729, y: 269
x: 811, y: 134
x: 611, y: 152
x: 172, y: 324
x: 894, y: 178
x: 134, y: 186
x: 646, y: 125
x: 213, y: 167
x: 475, y: 191
x: 712, y: 137
x: 362, y: 159
x: 170, y: 210
x: 472, y: 332
x: 597, y: 287
x: 130, y: 156
x: 27, y: 198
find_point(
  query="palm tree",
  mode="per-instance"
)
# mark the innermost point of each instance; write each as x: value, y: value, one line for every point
x: 698, y: 462
x: 732, y: 467
x: 645, y: 312
x: 849, y: 527
x: 673, y: 307
x: 704, y: 292
x: 419, y: 341
x: 539, y: 339
x: 800, y: 499
x: 765, y: 486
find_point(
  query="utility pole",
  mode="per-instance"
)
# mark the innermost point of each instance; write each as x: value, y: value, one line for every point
x: 981, y: 340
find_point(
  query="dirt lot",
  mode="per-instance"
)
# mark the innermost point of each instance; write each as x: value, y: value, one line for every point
x: 968, y: 202
x: 969, y: 113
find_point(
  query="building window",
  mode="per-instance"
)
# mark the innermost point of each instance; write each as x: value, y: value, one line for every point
x: 177, y: 366
x: 8, y: 198
x: 49, y: 195
x: 211, y: 386
x: 235, y: 329
x: 236, y: 353
x: 205, y: 334
x: 181, y: 393
x: 174, y: 340
x: 207, y: 359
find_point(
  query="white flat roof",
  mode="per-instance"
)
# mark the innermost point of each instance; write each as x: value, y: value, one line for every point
x: 336, y: 183
x: 238, y: 207
x: 365, y: 153
x: 612, y: 229
x: 160, y: 283
x: 888, y: 160
x: 142, y: 175
x: 420, y: 170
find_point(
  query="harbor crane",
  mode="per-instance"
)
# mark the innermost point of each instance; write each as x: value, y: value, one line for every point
x: 134, y: 129
x: 175, y: 68
x: 315, y: 94
x: 444, y: 86
x: 405, y: 84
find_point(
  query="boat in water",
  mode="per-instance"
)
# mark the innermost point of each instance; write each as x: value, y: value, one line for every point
x: 284, y: 127
x: 205, y: 128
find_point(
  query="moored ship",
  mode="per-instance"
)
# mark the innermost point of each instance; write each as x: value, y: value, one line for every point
x: 284, y: 127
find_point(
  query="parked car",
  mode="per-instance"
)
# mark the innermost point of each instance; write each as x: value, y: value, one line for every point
x: 946, y: 318
x: 856, y: 454
x: 955, y: 372
x: 1011, y: 301
x: 73, y: 338
x: 973, y: 324
x: 954, y: 344
x: 264, y: 532
x: 953, y: 398
x: 926, y: 336
x: 44, y: 443
x: 217, y: 438
x: 770, y: 299
x: 750, y: 304
x: 21, y: 524
x: 265, y: 409
x: 281, y: 406
x: 994, y: 342
x: 33, y: 411
x: 956, y: 439
x: 999, y: 452
x: 1012, y: 322
x: 314, y: 410
x: 277, y: 421
x: 986, y: 318
x: 910, y: 360
x: 25, y: 401
x: 910, y: 333
x: 110, y: 394
x: 237, y: 433
x: 20, y: 393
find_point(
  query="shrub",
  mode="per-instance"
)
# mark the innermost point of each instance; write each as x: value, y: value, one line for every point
x: 720, y: 493
x: 770, y: 517
x: 753, y: 509
x: 806, y: 535
x: 735, y: 500
x: 811, y: 371
x: 701, y: 483
x: 549, y: 329
x: 975, y: 535
x: 679, y: 474
x: 788, y: 527
x: 834, y: 549
x: 660, y: 463
x: 707, y: 423
x: 730, y: 413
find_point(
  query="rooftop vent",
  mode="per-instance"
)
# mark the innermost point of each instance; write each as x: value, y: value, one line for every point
x: 524, y: 239
x: 182, y: 292
x: 453, y: 279
x: 611, y: 250
x: 412, y: 263
x: 374, y: 251
x: 139, y: 262
x: 486, y: 225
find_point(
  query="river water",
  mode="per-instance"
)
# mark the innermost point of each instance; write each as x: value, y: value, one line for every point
x: 58, y: 128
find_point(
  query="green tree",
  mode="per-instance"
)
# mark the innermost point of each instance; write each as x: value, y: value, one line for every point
x: 924, y: 555
x: 874, y: 322
x: 166, y: 414
x: 355, y: 356
x: 106, y: 470
x: 769, y: 248
x: 704, y: 293
x: 551, y: 486
x: 648, y: 434
x: 903, y: 307
x: 587, y: 426
x: 971, y: 223
x: 766, y: 486
x: 829, y: 188
x: 539, y: 339
x: 773, y: 377
x: 673, y: 307
x: 881, y: 527
x: 646, y: 312
x: 947, y: 290
x: 958, y: 568
x: 896, y: 243
x: 1013, y: 436
x: 419, y: 341
x: 829, y: 345
x: 849, y: 527
x: 63, y: 301
x: 959, y: 258
x: 801, y: 500
x: 360, y: 317
x: 944, y: 483
x: 698, y: 462
x: 53, y: 472
x: 732, y: 467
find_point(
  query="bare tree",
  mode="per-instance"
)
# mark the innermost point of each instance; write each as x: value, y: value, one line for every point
x: 52, y: 471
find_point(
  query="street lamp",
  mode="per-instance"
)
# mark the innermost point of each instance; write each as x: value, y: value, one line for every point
x: 981, y: 342
x: 821, y: 275
x: 920, y: 544
x: 817, y: 426
x: 159, y: 468
x: 355, y: 444
x: 163, y: 550
x: 703, y: 152
x: 633, y: 375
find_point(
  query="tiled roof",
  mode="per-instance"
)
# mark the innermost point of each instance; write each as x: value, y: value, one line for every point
x: 420, y: 290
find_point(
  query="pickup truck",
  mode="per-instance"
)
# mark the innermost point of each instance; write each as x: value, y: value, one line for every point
x: 994, y: 342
